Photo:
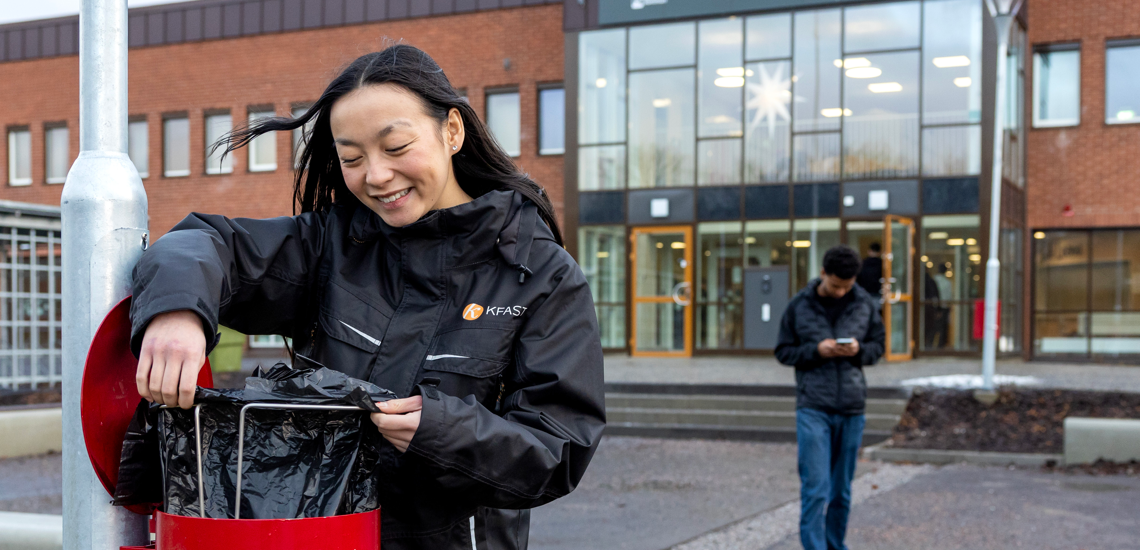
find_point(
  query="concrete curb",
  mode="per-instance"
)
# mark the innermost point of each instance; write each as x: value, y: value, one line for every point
x: 933, y: 456
x: 30, y: 431
x: 30, y: 531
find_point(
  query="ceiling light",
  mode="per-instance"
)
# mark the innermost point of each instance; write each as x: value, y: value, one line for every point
x: 677, y: 245
x: 884, y: 87
x: 864, y: 72
x: 660, y: 245
x: 834, y: 112
x: 963, y: 82
x: 749, y: 240
x: 955, y: 242
x: 729, y: 81
x: 929, y: 265
x: 852, y: 62
x: 1039, y: 235
x: 971, y: 242
x: 603, y: 254
x: 924, y: 258
x: 601, y: 83
x: 801, y: 244
x: 730, y: 71
x: 951, y: 61
x: 975, y: 258
x: 938, y: 235
x: 663, y: 102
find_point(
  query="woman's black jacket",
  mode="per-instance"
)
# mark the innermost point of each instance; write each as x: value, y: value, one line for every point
x: 474, y: 307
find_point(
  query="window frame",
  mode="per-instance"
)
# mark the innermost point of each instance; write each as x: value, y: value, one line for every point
x: 1038, y: 50
x: 131, y: 121
x: 1109, y: 45
x: 488, y: 93
x: 222, y: 169
x: 253, y: 114
x: 166, y: 171
x: 48, y: 150
x: 13, y: 181
x: 539, y: 118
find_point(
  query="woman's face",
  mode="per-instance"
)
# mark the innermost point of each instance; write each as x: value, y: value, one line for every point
x: 395, y: 158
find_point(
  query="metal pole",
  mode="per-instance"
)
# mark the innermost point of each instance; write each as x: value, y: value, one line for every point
x: 104, y: 213
x: 993, y: 265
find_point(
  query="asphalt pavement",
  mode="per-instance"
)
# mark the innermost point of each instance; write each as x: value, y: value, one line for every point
x: 32, y: 484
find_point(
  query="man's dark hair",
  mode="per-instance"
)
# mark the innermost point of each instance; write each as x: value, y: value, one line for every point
x: 875, y: 247
x: 841, y: 261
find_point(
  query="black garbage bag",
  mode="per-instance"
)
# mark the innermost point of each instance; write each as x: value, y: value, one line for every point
x: 296, y: 463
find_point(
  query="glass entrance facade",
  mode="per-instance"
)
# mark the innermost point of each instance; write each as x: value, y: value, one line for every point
x: 769, y: 134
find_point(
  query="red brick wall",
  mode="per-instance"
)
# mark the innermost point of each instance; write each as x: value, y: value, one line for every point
x: 1090, y: 167
x: 279, y: 69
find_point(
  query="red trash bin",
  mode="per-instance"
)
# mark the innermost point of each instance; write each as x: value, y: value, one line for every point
x: 108, y: 400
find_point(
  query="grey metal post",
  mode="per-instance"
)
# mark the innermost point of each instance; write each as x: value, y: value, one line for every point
x: 1002, y: 12
x: 104, y: 214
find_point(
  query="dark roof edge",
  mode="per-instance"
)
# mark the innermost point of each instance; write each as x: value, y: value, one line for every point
x: 202, y: 20
x: 29, y: 209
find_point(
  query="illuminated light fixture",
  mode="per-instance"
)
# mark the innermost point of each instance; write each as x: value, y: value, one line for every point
x: 938, y: 235
x: 677, y: 245
x: 660, y: 245
x: 801, y: 244
x: 976, y: 258
x: 963, y: 82
x: 864, y: 72
x: 929, y: 265
x: 749, y: 240
x: 949, y: 274
x: 748, y: 72
x: 852, y: 62
x: 924, y: 259
x: 1125, y: 115
x: 884, y: 87
x: 603, y: 254
x: 955, y: 242
x: 971, y: 242
x: 1039, y: 235
x: 730, y: 81
x: 730, y: 71
x: 708, y: 253
x: 834, y: 112
x: 662, y: 103
x: 951, y: 61
x: 601, y: 83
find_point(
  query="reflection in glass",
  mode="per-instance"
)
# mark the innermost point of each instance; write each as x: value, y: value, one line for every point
x: 768, y: 36
x: 720, y: 71
x: 1061, y: 333
x: 1116, y: 270
x: 881, y: 27
x: 952, y: 151
x: 768, y: 106
x: 1122, y: 84
x: 661, y: 137
x: 952, y: 62
x: 660, y: 263
x: 551, y: 121
x: 601, y: 167
x: 655, y: 46
x: 900, y: 328
x: 1115, y: 333
x: 880, y: 136
x: 949, y: 281
x: 602, y: 256
x: 1061, y: 270
x: 1011, y: 289
x: 1013, y: 138
x: 816, y: 157
x: 718, y: 161
x: 720, y: 286
x: 766, y: 243
x: 660, y: 327
x: 504, y: 121
x: 601, y: 86
x: 1056, y: 88
x: 810, y: 241
x: 816, y: 74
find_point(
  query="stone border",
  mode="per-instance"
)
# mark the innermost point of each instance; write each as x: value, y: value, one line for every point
x: 30, y: 430
x: 934, y: 456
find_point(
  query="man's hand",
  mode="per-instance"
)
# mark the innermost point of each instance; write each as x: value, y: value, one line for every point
x: 828, y: 348
x: 399, y: 420
x: 848, y: 350
x: 173, y: 351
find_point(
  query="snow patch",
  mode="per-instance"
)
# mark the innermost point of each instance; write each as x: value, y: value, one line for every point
x: 970, y: 381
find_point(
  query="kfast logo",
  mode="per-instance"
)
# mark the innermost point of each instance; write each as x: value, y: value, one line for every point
x: 474, y: 311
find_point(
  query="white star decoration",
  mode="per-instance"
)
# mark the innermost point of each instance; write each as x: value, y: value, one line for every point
x: 770, y: 98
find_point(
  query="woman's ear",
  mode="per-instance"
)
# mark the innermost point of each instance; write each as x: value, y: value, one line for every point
x: 453, y: 132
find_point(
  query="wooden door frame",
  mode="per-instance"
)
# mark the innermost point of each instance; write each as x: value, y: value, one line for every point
x: 687, y: 231
x: 907, y: 298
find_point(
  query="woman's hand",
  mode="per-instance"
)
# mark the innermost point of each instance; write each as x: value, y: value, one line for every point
x: 399, y: 420
x: 173, y: 351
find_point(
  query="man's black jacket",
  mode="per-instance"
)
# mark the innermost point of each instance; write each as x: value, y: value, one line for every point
x: 833, y: 385
x: 474, y: 307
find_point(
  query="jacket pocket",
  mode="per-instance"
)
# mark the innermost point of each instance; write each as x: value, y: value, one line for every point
x: 470, y: 362
x: 350, y: 332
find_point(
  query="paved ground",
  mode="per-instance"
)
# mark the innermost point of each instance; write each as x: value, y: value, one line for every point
x: 32, y: 484
x: 765, y: 370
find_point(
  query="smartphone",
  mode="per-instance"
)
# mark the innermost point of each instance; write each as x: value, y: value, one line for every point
x: 844, y: 341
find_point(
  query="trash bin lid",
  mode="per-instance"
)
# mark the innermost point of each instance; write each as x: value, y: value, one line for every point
x: 109, y: 396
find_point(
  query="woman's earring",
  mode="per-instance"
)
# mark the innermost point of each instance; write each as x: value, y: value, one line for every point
x: 454, y: 147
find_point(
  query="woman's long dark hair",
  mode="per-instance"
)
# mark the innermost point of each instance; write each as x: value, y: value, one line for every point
x: 480, y: 166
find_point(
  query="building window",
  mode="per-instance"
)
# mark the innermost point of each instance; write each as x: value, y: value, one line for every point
x: 810, y: 241
x: 661, y: 121
x: 1057, y: 86
x: 656, y: 46
x: 301, y: 135
x: 601, y: 253
x: 1122, y: 82
x: 137, y: 147
x: 19, y: 157
x: 218, y: 126
x: 1087, y: 293
x: 720, y: 286
x: 551, y: 121
x: 56, y: 161
x: 267, y: 341
x: 30, y: 307
x: 176, y: 147
x: 263, y: 149
x: 503, y: 120
x: 949, y: 280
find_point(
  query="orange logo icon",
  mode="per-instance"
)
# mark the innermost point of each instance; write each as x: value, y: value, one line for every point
x: 472, y: 312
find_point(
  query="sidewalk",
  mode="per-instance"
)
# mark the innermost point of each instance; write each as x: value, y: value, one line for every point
x: 766, y: 370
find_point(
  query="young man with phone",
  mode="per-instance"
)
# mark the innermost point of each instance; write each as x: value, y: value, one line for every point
x: 830, y: 330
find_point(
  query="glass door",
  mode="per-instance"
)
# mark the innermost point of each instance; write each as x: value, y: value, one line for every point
x: 898, y: 288
x: 662, y: 291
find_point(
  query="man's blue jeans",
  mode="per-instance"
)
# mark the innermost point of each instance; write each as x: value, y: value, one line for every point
x: 828, y: 449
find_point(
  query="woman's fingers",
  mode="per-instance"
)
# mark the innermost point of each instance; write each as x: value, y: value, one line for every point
x: 398, y: 429
x: 402, y: 406
x: 171, y: 377
x: 173, y: 351
x: 142, y: 374
x: 188, y: 382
